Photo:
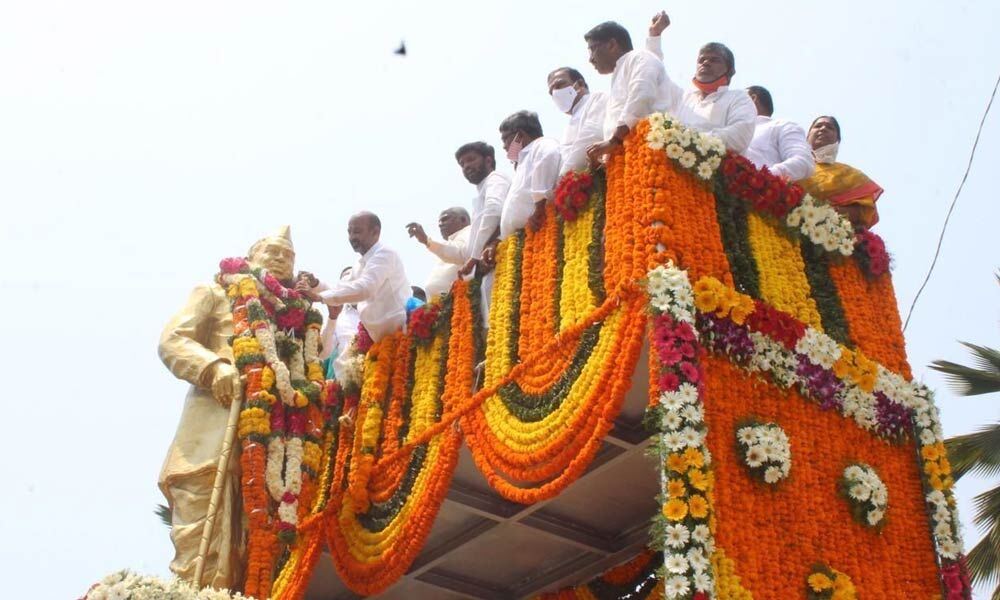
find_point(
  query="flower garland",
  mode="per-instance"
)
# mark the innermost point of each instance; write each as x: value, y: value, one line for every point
x: 126, y: 584
x: 826, y: 583
x: 767, y: 193
x: 572, y: 194
x: 765, y: 450
x: 822, y: 225
x: 873, y: 256
x: 683, y: 528
x: 632, y: 580
x: 423, y: 321
x: 866, y: 494
x: 692, y: 150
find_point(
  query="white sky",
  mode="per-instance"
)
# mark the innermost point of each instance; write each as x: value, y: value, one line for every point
x: 141, y: 142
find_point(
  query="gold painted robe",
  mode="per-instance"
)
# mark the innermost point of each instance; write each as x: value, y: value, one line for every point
x: 843, y: 185
x: 195, y: 338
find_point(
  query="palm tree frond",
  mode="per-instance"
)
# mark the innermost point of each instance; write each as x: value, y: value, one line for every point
x: 982, y: 562
x: 165, y: 514
x: 987, y: 359
x: 987, y: 511
x: 977, y: 452
x: 967, y: 381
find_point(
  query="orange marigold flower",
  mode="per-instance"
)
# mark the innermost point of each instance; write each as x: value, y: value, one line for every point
x: 698, y: 506
x: 675, y: 510
x: 694, y: 458
x: 676, y: 488
x: 698, y: 479
x: 676, y: 462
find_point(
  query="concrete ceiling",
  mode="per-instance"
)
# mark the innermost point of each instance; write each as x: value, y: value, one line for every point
x: 485, y: 547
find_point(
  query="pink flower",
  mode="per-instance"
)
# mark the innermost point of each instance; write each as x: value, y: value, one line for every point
x: 289, y: 497
x: 233, y: 265
x: 669, y: 356
x: 691, y: 372
x: 668, y: 382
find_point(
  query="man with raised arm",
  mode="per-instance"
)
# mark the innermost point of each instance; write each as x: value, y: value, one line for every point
x: 452, y: 251
x: 777, y: 144
x: 712, y: 106
x: 536, y: 171
x: 568, y: 90
x: 377, y: 284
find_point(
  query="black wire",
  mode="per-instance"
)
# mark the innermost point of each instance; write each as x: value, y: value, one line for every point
x: 952, y: 207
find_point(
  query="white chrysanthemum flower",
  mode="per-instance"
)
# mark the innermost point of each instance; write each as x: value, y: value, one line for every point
x: 943, y: 514
x: 687, y: 159
x: 673, y: 401
x: 692, y: 437
x: 674, y: 151
x: 853, y: 472
x: 703, y: 583
x: 656, y: 120
x: 674, y: 440
x: 880, y: 496
x: 701, y: 533
x: 693, y: 413
x: 704, y: 171
x: 794, y: 218
x: 672, y: 421
x: 950, y: 549
x: 676, y: 563
x: 684, y: 137
x: 942, y: 529
x: 688, y: 393
x: 860, y: 492
x: 875, y: 517
x: 746, y: 435
x: 773, y: 475
x: 937, y: 498
x: 684, y: 296
x: 755, y: 456
x: 676, y: 536
x: 696, y: 557
x: 676, y: 586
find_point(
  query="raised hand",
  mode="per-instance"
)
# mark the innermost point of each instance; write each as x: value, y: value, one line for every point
x: 659, y: 23
x: 416, y: 230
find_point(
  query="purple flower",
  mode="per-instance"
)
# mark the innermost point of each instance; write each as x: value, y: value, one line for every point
x: 894, y: 420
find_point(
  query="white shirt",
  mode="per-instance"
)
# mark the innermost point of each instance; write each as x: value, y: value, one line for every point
x: 535, y: 178
x: 586, y: 127
x: 486, y: 209
x: 781, y: 146
x: 454, y: 253
x: 379, y: 287
x: 639, y: 87
x: 726, y: 113
x: 338, y: 333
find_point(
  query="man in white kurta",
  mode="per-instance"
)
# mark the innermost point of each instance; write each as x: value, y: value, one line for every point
x: 341, y: 326
x: 777, y: 144
x: 571, y: 95
x: 478, y: 163
x: 536, y: 171
x: 378, y: 284
x: 452, y: 251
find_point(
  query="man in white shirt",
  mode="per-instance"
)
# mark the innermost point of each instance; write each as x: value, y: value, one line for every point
x: 639, y: 84
x: 377, y: 285
x: 570, y: 93
x: 478, y: 163
x: 453, y: 252
x: 536, y: 171
x: 712, y: 106
x: 779, y: 145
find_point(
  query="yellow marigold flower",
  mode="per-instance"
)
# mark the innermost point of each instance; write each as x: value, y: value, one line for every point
x: 819, y: 582
x: 932, y: 468
x: 233, y: 291
x: 945, y: 465
x: 842, y: 366
x: 676, y: 462
x: 866, y: 382
x: 676, y: 488
x: 947, y: 483
x: 248, y: 287
x: 694, y: 458
x: 743, y: 309
x: 266, y: 397
x: 698, y: 506
x: 929, y: 452
x: 300, y: 399
x: 935, y: 482
x: 706, y: 294
x: 698, y: 479
x: 675, y: 509
x: 266, y: 378
x: 842, y: 583
x: 315, y: 372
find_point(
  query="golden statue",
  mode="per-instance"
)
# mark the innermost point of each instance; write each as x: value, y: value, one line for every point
x: 195, y: 347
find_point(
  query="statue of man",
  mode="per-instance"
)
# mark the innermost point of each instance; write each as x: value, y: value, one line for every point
x: 195, y: 347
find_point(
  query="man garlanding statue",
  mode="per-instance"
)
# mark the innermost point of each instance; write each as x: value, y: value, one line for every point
x: 195, y: 347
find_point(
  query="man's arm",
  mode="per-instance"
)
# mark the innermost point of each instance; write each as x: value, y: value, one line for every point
x: 545, y: 175
x: 590, y: 132
x: 454, y: 251
x: 362, y: 287
x: 738, y: 130
x: 489, y: 221
x: 657, y: 26
x: 797, y: 161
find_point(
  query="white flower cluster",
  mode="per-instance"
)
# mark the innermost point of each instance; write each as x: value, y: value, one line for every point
x: 865, y: 488
x: 125, y: 585
x: 689, y: 570
x: 690, y: 148
x: 670, y: 292
x: 766, y: 450
x: 823, y: 225
x: 771, y: 357
x: 353, y: 363
x: 282, y: 375
x: 820, y: 348
x: 946, y: 534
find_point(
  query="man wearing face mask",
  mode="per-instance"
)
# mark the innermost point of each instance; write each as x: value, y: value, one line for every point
x: 847, y: 189
x: 536, y: 170
x: 571, y: 95
x: 712, y: 106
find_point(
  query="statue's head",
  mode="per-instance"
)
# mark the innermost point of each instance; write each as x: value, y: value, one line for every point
x: 275, y: 253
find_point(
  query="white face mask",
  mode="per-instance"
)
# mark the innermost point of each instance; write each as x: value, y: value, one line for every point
x: 827, y: 154
x: 564, y: 98
x: 514, y: 149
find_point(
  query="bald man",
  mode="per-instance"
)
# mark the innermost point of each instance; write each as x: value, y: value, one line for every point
x: 453, y: 252
x: 378, y: 283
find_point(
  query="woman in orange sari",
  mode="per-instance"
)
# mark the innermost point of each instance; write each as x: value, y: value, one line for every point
x: 845, y: 188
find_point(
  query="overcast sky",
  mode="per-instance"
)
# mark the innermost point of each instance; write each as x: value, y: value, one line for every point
x: 140, y: 142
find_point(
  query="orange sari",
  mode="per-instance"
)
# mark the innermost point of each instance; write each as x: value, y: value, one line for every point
x: 843, y: 185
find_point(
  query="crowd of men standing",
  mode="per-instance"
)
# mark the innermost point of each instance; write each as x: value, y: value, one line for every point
x: 376, y: 292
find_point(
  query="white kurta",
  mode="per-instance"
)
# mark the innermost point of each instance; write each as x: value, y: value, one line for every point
x: 453, y: 254
x: 727, y: 113
x: 781, y: 146
x: 639, y: 87
x: 338, y: 333
x: 534, y: 180
x: 380, y: 289
x: 586, y: 127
